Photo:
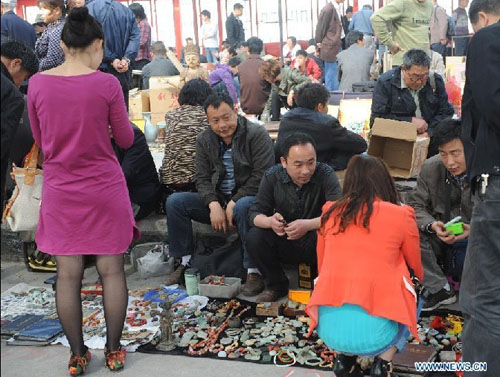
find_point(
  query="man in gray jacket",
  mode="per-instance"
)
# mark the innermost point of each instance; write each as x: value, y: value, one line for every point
x: 160, y: 66
x: 355, y: 62
x: 231, y: 157
x: 442, y: 193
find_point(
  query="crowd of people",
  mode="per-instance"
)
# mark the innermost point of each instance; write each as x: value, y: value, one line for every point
x: 378, y: 262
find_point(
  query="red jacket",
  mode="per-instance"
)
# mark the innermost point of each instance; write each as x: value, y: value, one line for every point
x: 369, y: 268
x: 312, y: 68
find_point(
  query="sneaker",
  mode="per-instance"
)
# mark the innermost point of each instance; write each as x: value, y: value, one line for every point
x: 254, y: 285
x: 442, y: 297
x: 78, y: 364
x: 176, y: 276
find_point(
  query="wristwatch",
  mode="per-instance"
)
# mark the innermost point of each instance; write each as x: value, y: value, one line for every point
x: 428, y: 228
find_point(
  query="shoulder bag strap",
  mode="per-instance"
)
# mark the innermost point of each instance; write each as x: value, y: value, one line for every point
x: 31, y: 159
x: 31, y: 165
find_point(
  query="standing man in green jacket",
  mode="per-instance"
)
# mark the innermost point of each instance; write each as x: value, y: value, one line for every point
x: 410, y: 26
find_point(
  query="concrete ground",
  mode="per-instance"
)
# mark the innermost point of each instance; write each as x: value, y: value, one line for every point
x: 51, y: 361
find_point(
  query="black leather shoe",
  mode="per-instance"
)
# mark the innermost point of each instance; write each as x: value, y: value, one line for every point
x: 346, y: 366
x: 381, y: 368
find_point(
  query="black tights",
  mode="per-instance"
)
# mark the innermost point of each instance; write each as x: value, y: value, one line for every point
x: 68, y: 301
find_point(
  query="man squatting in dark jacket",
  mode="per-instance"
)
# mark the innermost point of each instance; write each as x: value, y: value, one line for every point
x: 409, y: 94
x: 441, y: 194
x: 140, y: 173
x: 335, y: 145
x: 286, y: 214
x: 231, y: 157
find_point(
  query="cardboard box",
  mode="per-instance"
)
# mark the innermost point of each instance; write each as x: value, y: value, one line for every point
x: 164, y: 82
x: 398, y: 144
x: 162, y: 101
x: 138, y: 103
x: 157, y: 117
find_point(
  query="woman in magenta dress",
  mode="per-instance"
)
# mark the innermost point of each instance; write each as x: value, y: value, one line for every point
x: 85, y: 208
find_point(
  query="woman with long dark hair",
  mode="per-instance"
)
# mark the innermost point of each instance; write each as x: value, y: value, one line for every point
x: 85, y: 208
x: 364, y: 302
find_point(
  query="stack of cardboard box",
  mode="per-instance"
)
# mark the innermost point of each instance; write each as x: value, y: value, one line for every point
x: 159, y: 99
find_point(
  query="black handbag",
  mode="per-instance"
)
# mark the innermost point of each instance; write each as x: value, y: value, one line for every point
x: 219, y: 254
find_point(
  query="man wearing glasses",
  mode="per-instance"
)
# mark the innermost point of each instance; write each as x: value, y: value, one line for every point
x: 413, y: 94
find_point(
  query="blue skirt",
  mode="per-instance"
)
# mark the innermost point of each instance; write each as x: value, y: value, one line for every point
x: 350, y: 329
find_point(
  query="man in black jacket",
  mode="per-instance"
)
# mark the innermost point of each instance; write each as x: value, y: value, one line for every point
x: 18, y: 62
x: 286, y: 213
x: 231, y: 157
x: 480, y: 289
x: 346, y: 19
x: 234, y: 27
x: 408, y: 93
x: 140, y: 173
x: 335, y: 145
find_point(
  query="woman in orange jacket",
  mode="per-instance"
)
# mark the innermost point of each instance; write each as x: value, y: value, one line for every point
x: 364, y: 302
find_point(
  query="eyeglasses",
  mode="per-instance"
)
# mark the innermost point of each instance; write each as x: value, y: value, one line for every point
x: 417, y: 78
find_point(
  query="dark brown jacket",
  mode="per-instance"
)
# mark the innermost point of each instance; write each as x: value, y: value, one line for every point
x: 253, y: 154
x: 328, y: 33
x: 254, y: 90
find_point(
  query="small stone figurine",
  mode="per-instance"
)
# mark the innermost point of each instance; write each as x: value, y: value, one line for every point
x: 166, y: 321
x: 193, y: 70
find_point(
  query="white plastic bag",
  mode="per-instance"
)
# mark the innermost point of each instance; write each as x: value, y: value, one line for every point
x: 155, y: 263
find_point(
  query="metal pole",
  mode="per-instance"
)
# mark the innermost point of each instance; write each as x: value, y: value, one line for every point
x: 219, y: 20
x: 178, y: 27
x: 280, y: 18
x: 195, y: 25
